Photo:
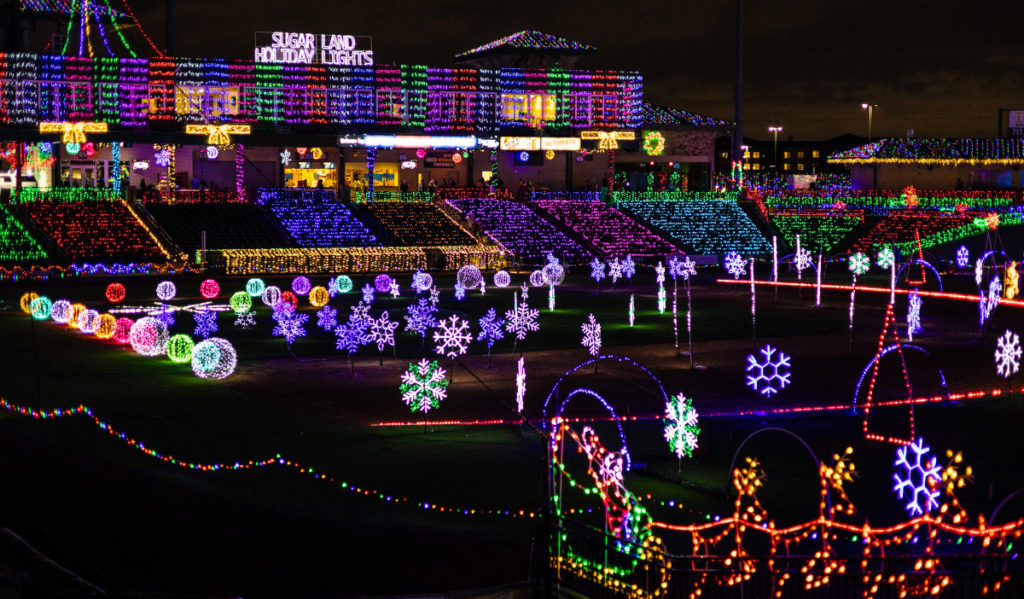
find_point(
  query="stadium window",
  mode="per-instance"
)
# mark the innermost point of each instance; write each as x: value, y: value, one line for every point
x: 786, y: 154
x: 800, y: 166
x: 785, y: 167
x: 815, y: 154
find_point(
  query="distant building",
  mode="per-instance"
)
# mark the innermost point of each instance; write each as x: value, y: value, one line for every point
x: 794, y: 157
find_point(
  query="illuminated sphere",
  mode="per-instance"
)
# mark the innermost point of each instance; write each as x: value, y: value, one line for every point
x: 536, y: 278
x: 382, y: 283
x: 554, y: 274
x: 123, y: 330
x: 291, y: 298
x: 271, y: 295
x: 301, y: 285
x: 108, y: 324
x: 41, y: 307
x: 209, y: 289
x: 420, y: 153
x: 26, y: 301
x: 469, y: 277
x: 214, y: 358
x: 115, y: 293
x: 255, y: 287
x: 88, y: 321
x: 240, y: 302
x: 344, y: 283
x: 422, y: 281
x: 179, y: 348
x: 60, y: 312
x: 76, y: 311
x: 319, y: 296
x: 502, y: 279
x: 148, y: 336
x: 166, y: 291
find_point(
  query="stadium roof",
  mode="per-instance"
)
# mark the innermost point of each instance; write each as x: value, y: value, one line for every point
x: 529, y: 41
x: 656, y: 115
x: 945, y: 151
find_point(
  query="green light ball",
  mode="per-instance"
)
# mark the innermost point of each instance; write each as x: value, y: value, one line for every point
x: 255, y: 287
x: 241, y: 301
x: 179, y: 348
x: 344, y: 283
x: 40, y: 307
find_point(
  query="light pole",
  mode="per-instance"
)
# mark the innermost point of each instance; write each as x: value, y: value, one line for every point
x: 870, y: 108
x: 775, y: 131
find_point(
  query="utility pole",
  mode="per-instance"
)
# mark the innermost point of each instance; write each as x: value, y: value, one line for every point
x: 170, y: 28
x: 737, y: 137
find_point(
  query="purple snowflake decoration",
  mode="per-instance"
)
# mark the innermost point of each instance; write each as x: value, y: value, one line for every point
x: 206, y: 323
x: 290, y: 325
x: 352, y: 334
x: 419, y: 317
x: 491, y: 328
x: 327, y: 318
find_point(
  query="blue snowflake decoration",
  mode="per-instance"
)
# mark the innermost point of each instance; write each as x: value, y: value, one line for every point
x: 917, y: 477
x: 165, y: 315
x: 460, y: 292
x: 327, y: 318
x: 368, y: 293
x: 290, y: 325
x: 332, y: 287
x: 628, y: 267
x: 206, y: 323
x: 491, y: 328
x: 419, y: 317
x: 913, y: 314
x: 963, y: 257
x: 597, y: 270
x: 352, y: 334
x: 771, y: 375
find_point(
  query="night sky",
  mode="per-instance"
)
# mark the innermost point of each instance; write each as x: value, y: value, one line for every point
x: 942, y: 67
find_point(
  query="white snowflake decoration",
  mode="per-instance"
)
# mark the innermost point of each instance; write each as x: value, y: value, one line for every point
x: 332, y: 287
x: 978, y: 271
x: 659, y: 273
x: 591, y: 335
x: 803, y: 259
x: 524, y: 291
x: 615, y: 270
x: 460, y: 292
x: 246, y: 319
x: 771, y: 375
x: 520, y: 384
x: 685, y: 268
x: 290, y: 325
x: 886, y: 257
x: 917, y: 477
x: 963, y: 257
x: 987, y: 304
x: 859, y: 263
x: 286, y: 157
x: 394, y: 289
x: 382, y: 331
x: 681, y: 430
x: 452, y: 337
x: 913, y: 314
x: 435, y: 295
x: 360, y: 312
x: 423, y: 386
x: 735, y: 264
x: 597, y: 270
x: 327, y: 318
x: 521, y: 320
x: 368, y: 293
x: 163, y: 158
x: 628, y: 267
x: 1008, y: 354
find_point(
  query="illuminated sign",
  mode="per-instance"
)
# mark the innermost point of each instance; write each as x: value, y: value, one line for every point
x: 517, y: 144
x: 218, y: 135
x: 312, y: 48
x: 207, y: 101
x: 140, y: 165
x: 567, y: 144
x: 433, y: 142
x: 74, y: 133
x: 530, y: 144
x: 408, y: 165
x: 608, y: 140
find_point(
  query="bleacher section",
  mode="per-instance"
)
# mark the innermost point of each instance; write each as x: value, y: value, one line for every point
x: 16, y: 243
x: 419, y: 223
x: 901, y: 226
x: 227, y: 225
x: 521, y: 230
x: 815, y: 231
x: 708, y: 227
x: 610, y: 231
x: 316, y: 219
x: 95, y: 229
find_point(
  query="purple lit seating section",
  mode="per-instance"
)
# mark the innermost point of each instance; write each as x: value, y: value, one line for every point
x: 901, y: 226
x: 610, y: 231
x: 521, y: 230
x: 94, y: 229
x: 419, y: 223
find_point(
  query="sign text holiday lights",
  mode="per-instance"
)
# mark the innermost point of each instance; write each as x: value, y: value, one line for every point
x: 311, y: 48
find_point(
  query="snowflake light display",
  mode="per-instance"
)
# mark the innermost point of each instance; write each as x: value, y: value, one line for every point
x: 524, y: 291
x: 735, y: 264
x: 771, y: 375
x: 859, y: 263
x: 246, y: 319
x: 214, y: 358
x: 327, y: 318
x: 681, y: 428
x: 382, y: 331
x: 165, y: 315
x: 290, y: 324
x: 361, y: 312
x: 520, y: 384
x: 483, y: 286
x: 1008, y: 354
x: 659, y: 273
x: 166, y: 290
x: 886, y: 257
x: 491, y: 328
x: 979, y: 267
x: 368, y: 293
x: 987, y: 304
x: 423, y: 386
x: 206, y: 324
x: 591, y: 335
x: 803, y: 259
x: 352, y: 334
x: 615, y: 270
x: 452, y: 337
x: 502, y: 279
x: 419, y: 317
x: 395, y: 292
x: 963, y: 257
x: 460, y: 291
x: 917, y: 477
x: 597, y: 270
x: 628, y: 267
x: 913, y: 314
x: 435, y: 295
x: 521, y: 320
x: 162, y: 158
x: 286, y: 157
x: 685, y: 268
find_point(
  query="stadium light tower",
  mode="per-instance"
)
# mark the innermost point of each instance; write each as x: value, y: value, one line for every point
x: 870, y: 108
x: 776, y: 129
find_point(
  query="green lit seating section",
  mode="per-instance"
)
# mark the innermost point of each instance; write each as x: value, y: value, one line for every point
x: 16, y: 243
x: 816, y: 232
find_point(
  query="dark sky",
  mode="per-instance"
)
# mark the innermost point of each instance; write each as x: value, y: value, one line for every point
x: 941, y: 67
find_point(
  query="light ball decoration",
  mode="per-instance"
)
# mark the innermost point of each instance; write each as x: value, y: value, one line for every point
x: 553, y: 273
x: 60, y: 312
x: 343, y: 283
x: 179, y: 348
x: 148, y: 336
x: 319, y: 296
x: 108, y: 324
x: 209, y: 289
x: 469, y: 276
x: 166, y: 290
x: 301, y: 285
x: 271, y: 295
x: 536, y: 278
x: 88, y: 321
x: 123, y: 330
x: 240, y: 302
x: 76, y: 311
x: 26, y: 301
x: 255, y: 287
x: 502, y: 279
x: 115, y: 293
x: 41, y: 307
x: 382, y: 283
x: 422, y: 281
x: 214, y: 358
x: 291, y: 298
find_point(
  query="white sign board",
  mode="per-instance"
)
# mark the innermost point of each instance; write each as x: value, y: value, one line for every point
x: 313, y: 48
x: 1016, y: 123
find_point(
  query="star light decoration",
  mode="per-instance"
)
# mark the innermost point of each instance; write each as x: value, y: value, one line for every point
x: 290, y: 324
x: 423, y: 386
x: 681, y: 428
x: 368, y: 292
x: 963, y: 257
x: 859, y: 263
x: 771, y: 375
x: 327, y: 318
x: 452, y: 337
x: 886, y: 257
x: 913, y: 314
x: 1007, y: 354
x: 597, y: 270
x: 206, y: 324
x: 419, y: 317
x: 591, y: 335
x: 917, y: 477
x: 735, y: 264
x: 382, y: 331
x: 491, y: 328
x: 520, y: 384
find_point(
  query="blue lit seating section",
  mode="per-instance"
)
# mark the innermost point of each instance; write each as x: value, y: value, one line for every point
x: 816, y: 232
x: 419, y: 223
x: 706, y: 226
x: 519, y: 229
x: 610, y: 231
x: 231, y: 225
x: 94, y: 229
x: 16, y: 243
x: 316, y: 219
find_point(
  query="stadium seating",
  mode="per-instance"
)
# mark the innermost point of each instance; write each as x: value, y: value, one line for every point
x: 901, y: 226
x: 610, y: 231
x: 419, y: 223
x: 16, y: 243
x: 520, y: 230
x: 227, y: 225
x: 95, y: 229
x: 824, y: 232
x: 709, y: 227
x: 316, y: 219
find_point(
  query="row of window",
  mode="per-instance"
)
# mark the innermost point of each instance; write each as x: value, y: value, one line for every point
x: 747, y: 155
